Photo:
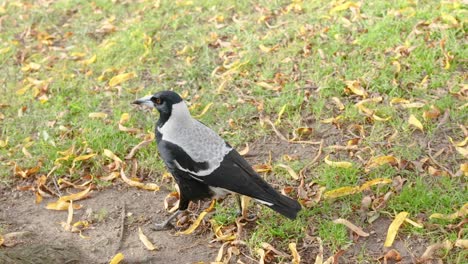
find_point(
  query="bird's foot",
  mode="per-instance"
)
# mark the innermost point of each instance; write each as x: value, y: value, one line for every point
x: 162, y: 226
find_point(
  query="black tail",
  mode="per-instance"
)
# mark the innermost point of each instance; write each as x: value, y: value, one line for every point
x: 286, y: 206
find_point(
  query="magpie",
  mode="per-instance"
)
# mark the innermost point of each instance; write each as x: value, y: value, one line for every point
x: 202, y: 163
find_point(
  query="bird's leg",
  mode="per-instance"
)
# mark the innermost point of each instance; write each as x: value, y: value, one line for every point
x: 167, y: 223
x: 239, y: 204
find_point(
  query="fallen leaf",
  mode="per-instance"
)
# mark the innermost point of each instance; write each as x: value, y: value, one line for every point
x: 290, y: 170
x: 112, y: 156
x: 373, y: 182
x: 342, y: 191
x: 351, y: 226
x: 412, y: 120
x: 340, y: 164
x: 413, y: 223
x: 245, y: 150
x: 118, y: 79
x: 145, y: 186
x: 463, y: 212
x: 205, y: 109
x: 344, y: 6
x: 392, y: 255
x: 98, y: 115
x: 394, y: 227
x: 197, y: 222
x: 144, y: 239
x: 75, y: 196
x: 381, y: 160
x: 461, y: 243
x: 295, y: 254
x: 432, y: 249
x: 61, y: 206
x: 117, y: 258
x: 356, y: 88
x: 280, y: 114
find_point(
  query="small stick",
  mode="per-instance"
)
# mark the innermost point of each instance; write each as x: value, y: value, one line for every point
x: 122, y: 227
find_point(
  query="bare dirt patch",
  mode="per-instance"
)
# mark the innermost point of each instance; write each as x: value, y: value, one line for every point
x: 47, y: 242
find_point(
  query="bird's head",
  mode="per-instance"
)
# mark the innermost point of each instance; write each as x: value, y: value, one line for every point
x: 167, y: 103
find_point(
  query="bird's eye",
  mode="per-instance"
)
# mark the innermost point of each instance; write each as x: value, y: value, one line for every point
x: 157, y: 101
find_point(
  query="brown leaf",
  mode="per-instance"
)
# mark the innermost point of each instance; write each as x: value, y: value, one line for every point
x: 351, y: 226
x: 432, y: 249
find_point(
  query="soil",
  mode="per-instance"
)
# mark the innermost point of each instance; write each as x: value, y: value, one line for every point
x: 47, y: 242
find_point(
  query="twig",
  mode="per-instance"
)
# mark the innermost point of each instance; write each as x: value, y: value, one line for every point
x: 308, y: 165
x: 287, y: 140
x: 122, y: 227
x: 435, y: 162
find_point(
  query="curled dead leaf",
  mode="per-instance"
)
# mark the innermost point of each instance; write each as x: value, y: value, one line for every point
x: 296, y: 258
x: 76, y: 196
x: 118, y: 79
x: 351, y: 226
x: 340, y: 164
x: 144, y: 239
x: 98, y: 115
x: 197, y: 222
x: 145, y: 186
x: 290, y: 170
x: 463, y: 212
x: 412, y: 120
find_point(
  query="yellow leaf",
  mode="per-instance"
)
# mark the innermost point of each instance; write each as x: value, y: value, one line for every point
x: 290, y: 170
x: 343, y: 6
x: 147, y: 186
x: 331, y: 120
x: 338, y: 103
x: 118, y: 79
x: 340, y: 164
x: 84, y: 157
x: 75, y: 196
x: 268, y: 86
x: 90, y: 60
x: 280, y: 114
x: 459, y: 144
x: 61, y: 206
x: 397, y: 100
x: 356, y: 88
x: 4, y: 143
x: 461, y: 243
x: 124, y: 118
x: 5, y: 50
x: 373, y: 182
x: 194, y: 225
x: 351, y: 226
x: 2, y: 240
x: 110, y: 177
x: 197, y: 222
x: 207, y: 107
x: 394, y: 227
x: 463, y: 212
x: 464, y: 169
x: 413, y: 223
x: 144, y: 239
x: 381, y: 160
x: 117, y: 258
x: 97, y: 115
x: 413, y: 105
x: 342, y: 191
x: 412, y: 120
x: 245, y: 150
x: 111, y: 155
x: 295, y: 254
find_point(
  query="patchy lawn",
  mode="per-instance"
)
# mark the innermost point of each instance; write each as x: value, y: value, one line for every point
x: 357, y: 109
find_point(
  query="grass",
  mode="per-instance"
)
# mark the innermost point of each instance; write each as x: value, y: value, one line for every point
x: 221, y: 52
